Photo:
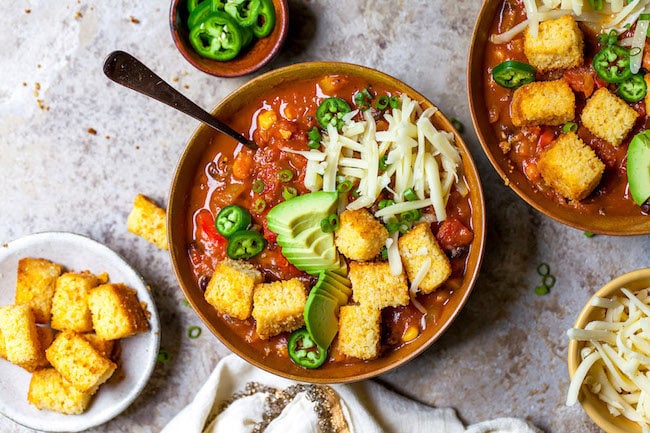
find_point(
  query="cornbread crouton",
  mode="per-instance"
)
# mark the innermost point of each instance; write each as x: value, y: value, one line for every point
x: 48, y: 390
x: 70, y: 302
x: 21, y: 337
x: 559, y: 45
x: 609, y: 117
x: 35, y: 283
x: 373, y: 285
x: 359, y: 331
x: 278, y: 307
x: 419, y: 248
x: 543, y: 103
x: 116, y: 311
x: 360, y: 236
x: 571, y: 167
x: 104, y: 347
x: 78, y: 362
x: 147, y: 220
x: 230, y: 289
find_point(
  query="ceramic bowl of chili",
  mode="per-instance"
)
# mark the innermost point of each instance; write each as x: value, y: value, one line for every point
x: 229, y: 38
x: 209, y: 209
x: 496, y: 69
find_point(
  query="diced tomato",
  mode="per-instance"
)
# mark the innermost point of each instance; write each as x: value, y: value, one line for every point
x: 268, y: 234
x: 581, y: 79
x: 545, y: 138
x: 205, y: 223
x: 453, y: 234
x: 243, y: 164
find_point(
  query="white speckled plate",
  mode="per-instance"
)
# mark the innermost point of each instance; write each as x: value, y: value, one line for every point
x: 138, y: 353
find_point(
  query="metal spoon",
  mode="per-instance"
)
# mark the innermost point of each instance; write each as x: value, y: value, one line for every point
x: 128, y: 71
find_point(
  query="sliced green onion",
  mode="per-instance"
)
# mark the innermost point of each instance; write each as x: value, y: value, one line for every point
x: 543, y: 269
x: 285, y: 175
x: 314, y: 134
x: 384, y: 253
x: 385, y: 203
x: 382, y: 163
x: 362, y: 99
x: 186, y: 303
x: 392, y: 227
x: 259, y: 205
x: 548, y: 281
x: 457, y: 124
x: 289, y: 192
x: 344, y: 186
x: 570, y: 127
x: 193, y: 332
x: 411, y: 216
x: 645, y: 17
x: 590, y: 234
x: 356, y: 194
x: 410, y: 195
x: 541, y: 290
x: 382, y: 102
x: 313, y: 144
x: 596, y: 4
x: 163, y: 356
x: 258, y: 186
x: 330, y: 223
x: 394, y: 102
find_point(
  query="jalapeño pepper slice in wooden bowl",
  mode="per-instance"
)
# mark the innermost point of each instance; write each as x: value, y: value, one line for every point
x: 217, y: 37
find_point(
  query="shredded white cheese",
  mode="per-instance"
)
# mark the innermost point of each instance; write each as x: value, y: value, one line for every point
x: 415, y: 284
x: 615, y: 362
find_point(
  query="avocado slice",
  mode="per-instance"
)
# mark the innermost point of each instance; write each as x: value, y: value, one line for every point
x: 638, y: 167
x: 312, y: 207
x: 321, y: 318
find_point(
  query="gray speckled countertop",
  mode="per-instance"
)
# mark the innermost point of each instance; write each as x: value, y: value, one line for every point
x: 503, y: 356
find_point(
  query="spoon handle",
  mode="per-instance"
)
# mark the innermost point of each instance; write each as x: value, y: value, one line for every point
x: 128, y: 71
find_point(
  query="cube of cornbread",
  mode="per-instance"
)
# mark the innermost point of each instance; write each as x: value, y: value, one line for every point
x: 35, y: 283
x: 419, y: 248
x: 543, y: 103
x: 278, y: 307
x: 360, y: 236
x: 374, y: 285
x: 559, y: 45
x: 45, y: 338
x: 116, y: 312
x: 609, y: 117
x: 104, y: 347
x: 70, y: 302
x: 359, y: 331
x: 21, y: 338
x: 571, y: 167
x: 230, y: 289
x: 48, y: 390
x: 78, y: 362
x: 147, y: 220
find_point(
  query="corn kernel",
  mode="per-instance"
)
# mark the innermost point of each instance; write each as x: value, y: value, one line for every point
x: 266, y: 119
x: 410, y: 333
x: 285, y: 134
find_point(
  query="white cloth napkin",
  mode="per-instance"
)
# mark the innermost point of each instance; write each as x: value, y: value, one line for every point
x: 240, y: 398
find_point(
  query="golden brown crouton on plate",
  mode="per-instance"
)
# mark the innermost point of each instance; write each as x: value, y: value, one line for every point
x: 373, y: 285
x: 609, y: 117
x: 359, y: 331
x: 278, y: 307
x: 35, y: 283
x: 559, y: 45
x: 543, y: 103
x: 418, y: 248
x: 116, y: 312
x: 571, y: 167
x: 70, y: 302
x: 360, y: 236
x: 147, y: 220
x: 78, y: 362
x: 230, y: 289
x: 48, y: 390
x: 21, y: 337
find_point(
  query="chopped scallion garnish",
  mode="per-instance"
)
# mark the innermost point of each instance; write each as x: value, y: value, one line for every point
x: 193, y: 332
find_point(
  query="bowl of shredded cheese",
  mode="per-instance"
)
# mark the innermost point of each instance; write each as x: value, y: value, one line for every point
x: 609, y: 355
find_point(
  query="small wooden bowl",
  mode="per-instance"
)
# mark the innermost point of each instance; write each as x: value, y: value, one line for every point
x: 182, y: 183
x: 248, y: 61
x: 621, y: 225
x: 595, y: 408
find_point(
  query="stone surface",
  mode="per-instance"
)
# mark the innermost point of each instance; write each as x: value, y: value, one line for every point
x: 76, y: 149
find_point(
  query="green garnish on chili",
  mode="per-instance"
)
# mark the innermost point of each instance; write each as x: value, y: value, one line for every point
x: 410, y: 195
x: 411, y: 215
x: 259, y: 205
x: 331, y: 112
x: 612, y: 64
x: 344, y: 186
x: 258, y: 186
x: 289, y: 192
x: 633, y: 89
x: 315, y: 137
x: 512, y: 74
x: 394, y: 102
x: 596, y: 5
x: 382, y: 163
x: 570, y: 127
x: 363, y: 99
x: 231, y: 219
x: 385, y: 203
x: 245, y: 244
x: 285, y: 175
x: 304, y: 351
x: 548, y: 280
x: 265, y: 20
x: 217, y: 37
x: 330, y: 223
x: 382, y: 102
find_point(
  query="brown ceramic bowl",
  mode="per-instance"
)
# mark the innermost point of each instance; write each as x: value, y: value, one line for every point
x: 248, y: 61
x: 177, y: 230
x: 512, y: 176
x: 595, y: 408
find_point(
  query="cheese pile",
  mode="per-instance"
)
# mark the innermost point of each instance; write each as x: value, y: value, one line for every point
x: 417, y: 155
x: 615, y: 14
x: 615, y: 362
